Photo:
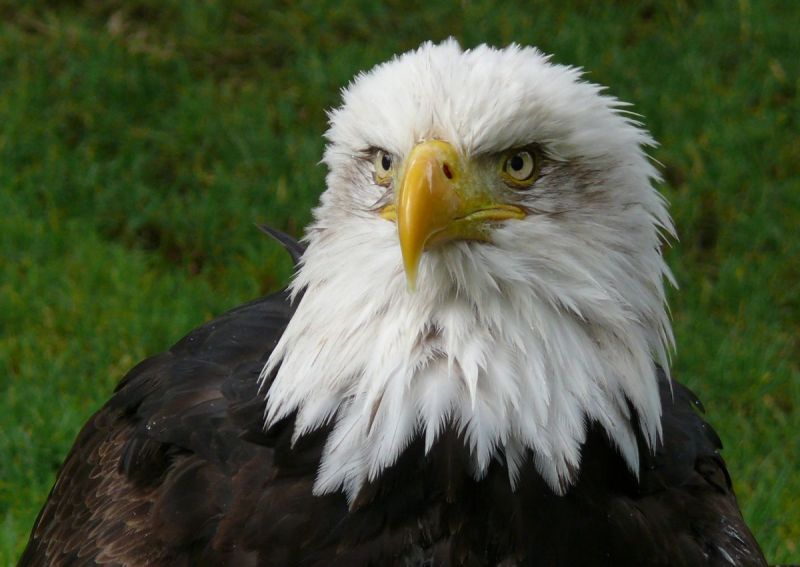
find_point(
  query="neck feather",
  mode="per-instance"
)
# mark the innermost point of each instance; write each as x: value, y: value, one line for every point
x: 514, y: 362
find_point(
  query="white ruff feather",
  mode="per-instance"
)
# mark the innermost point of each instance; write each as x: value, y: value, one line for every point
x: 518, y: 343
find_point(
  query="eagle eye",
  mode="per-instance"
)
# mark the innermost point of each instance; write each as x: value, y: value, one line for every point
x: 383, y: 163
x: 520, y: 168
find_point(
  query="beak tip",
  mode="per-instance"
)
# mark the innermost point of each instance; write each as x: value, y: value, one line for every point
x: 411, y: 259
x: 411, y: 281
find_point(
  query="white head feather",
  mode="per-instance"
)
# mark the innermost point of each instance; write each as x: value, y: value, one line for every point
x: 518, y: 343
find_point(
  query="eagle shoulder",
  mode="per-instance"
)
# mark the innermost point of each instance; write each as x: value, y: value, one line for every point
x: 163, y: 470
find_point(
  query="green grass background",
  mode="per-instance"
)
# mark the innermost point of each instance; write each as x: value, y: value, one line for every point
x: 140, y: 140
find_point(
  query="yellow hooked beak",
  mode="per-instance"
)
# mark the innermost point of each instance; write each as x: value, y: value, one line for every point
x: 438, y: 200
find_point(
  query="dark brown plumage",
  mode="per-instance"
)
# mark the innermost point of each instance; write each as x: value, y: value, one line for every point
x: 176, y: 470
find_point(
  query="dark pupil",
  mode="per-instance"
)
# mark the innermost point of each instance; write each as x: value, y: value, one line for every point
x: 517, y: 162
x: 386, y: 162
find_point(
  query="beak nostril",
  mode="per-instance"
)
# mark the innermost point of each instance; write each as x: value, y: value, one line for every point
x: 446, y: 170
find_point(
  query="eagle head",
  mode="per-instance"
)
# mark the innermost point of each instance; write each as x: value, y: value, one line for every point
x: 485, y: 257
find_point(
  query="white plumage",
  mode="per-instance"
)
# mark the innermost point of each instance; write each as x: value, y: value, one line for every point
x: 558, y: 320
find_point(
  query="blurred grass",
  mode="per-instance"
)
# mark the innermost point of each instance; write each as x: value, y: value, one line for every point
x: 140, y: 141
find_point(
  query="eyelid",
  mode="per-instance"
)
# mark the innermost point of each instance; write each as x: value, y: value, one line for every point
x: 366, y: 154
x: 534, y: 149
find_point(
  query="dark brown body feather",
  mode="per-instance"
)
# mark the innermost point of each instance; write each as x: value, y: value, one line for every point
x: 176, y: 470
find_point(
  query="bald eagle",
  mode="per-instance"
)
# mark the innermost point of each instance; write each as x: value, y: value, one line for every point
x: 469, y: 368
